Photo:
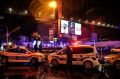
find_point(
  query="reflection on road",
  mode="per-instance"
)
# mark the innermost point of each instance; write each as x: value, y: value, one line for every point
x: 61, y: 72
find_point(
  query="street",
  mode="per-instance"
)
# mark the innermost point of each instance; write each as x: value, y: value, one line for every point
x: 24, y: 71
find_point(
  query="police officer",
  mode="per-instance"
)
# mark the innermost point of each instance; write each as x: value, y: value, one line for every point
x: 69, y: 55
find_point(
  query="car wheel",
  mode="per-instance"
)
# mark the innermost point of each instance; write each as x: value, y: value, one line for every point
x: 34, y: 61
x: 88, y: 64
x: 117, y: 65
x: 54, y: 62
x: 4, y: 60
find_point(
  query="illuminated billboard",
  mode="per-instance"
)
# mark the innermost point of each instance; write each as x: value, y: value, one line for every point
x: 77, y: 29
x: 64, y: 26
x: 68, y: 27
x: 72, y: 28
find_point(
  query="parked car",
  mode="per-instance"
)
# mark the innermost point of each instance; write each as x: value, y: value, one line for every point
x: 113, y: 58
x: 21, y: 55
x: 85, y: 55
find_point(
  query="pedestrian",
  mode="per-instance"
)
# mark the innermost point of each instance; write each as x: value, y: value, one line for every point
x: 68, y: 51
x: 40, y: 47
x: 14, y: 46
x: 28, y: 46
x: 22, y: 46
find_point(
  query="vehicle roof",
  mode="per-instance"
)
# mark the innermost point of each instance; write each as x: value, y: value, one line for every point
x: 115, y: 50
x: 82, y: 46
x: 17, y: 48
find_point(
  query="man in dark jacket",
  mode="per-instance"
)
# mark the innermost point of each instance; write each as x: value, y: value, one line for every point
x: 69, y: 55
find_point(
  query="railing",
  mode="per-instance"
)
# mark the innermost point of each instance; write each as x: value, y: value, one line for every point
x: 105, y: 43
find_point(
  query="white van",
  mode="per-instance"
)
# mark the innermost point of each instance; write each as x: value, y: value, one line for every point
x: 85, y: 55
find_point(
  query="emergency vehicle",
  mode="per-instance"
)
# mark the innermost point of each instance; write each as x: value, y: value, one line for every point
x: 21, y: 55
x: 113, y: 58
x: 85, y: 55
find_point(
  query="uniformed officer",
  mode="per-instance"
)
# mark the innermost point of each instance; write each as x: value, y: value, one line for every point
x: 69, y: 55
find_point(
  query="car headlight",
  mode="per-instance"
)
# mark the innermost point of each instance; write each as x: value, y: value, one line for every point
x: 108, y: 58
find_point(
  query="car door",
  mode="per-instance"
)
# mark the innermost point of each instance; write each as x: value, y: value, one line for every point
x: 22, y: 55
x: 82, y: 53
x: 77, y: 56
x: 62, y: 57
x: 11, y: 53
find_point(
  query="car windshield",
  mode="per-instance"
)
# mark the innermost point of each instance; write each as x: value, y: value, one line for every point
x: 113, y: 52
x: 82, y: 50
x: 59, y: 51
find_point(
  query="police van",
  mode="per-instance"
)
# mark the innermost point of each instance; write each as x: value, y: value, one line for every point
x: 85, y: 55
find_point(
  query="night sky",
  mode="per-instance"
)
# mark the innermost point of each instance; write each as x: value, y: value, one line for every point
x: 106, y: 11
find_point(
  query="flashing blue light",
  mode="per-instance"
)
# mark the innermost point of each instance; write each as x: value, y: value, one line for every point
x: 51, y: 41
x: 34, y: 42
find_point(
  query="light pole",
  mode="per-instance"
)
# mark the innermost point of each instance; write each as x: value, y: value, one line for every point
x: 7, y: 36
x: 53, y: 5
x: 57, y: 15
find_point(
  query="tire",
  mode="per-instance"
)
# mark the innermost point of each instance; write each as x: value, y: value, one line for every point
x: 54, y: 62
x: 88, y: 64
x: 34, y: 61
x: 117, y: 65
x: 4, y: 60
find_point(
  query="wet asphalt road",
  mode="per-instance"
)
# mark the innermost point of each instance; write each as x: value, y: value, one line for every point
x: 23, y: 71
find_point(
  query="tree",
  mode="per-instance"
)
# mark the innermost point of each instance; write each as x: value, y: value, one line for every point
x: 36, y: 38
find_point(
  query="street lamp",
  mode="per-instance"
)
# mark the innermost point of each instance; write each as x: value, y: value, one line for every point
x: 53, y: 4
x: 57, y: 15
x: 25, y: 12
x: 10, y: 9
x: 7, y: 35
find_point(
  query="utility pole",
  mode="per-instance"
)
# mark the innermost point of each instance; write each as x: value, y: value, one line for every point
x: 59, y: 14
x: 59, y: 9
x: 7, y: 36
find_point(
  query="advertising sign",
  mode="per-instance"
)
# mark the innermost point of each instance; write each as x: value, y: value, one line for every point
x: 77, y: 29
x: 64, y: 26
x: 72, y: 28
x: 93, y: 36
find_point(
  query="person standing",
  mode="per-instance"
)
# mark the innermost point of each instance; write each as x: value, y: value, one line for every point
x: 14, y: 46
x: 40, y: 47
x: 28, y: 46
x: 69, y: 55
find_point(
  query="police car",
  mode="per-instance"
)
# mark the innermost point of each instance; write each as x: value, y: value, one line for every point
x: 85, y: 55
x: 113, y: 58
x: 21, y: 55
